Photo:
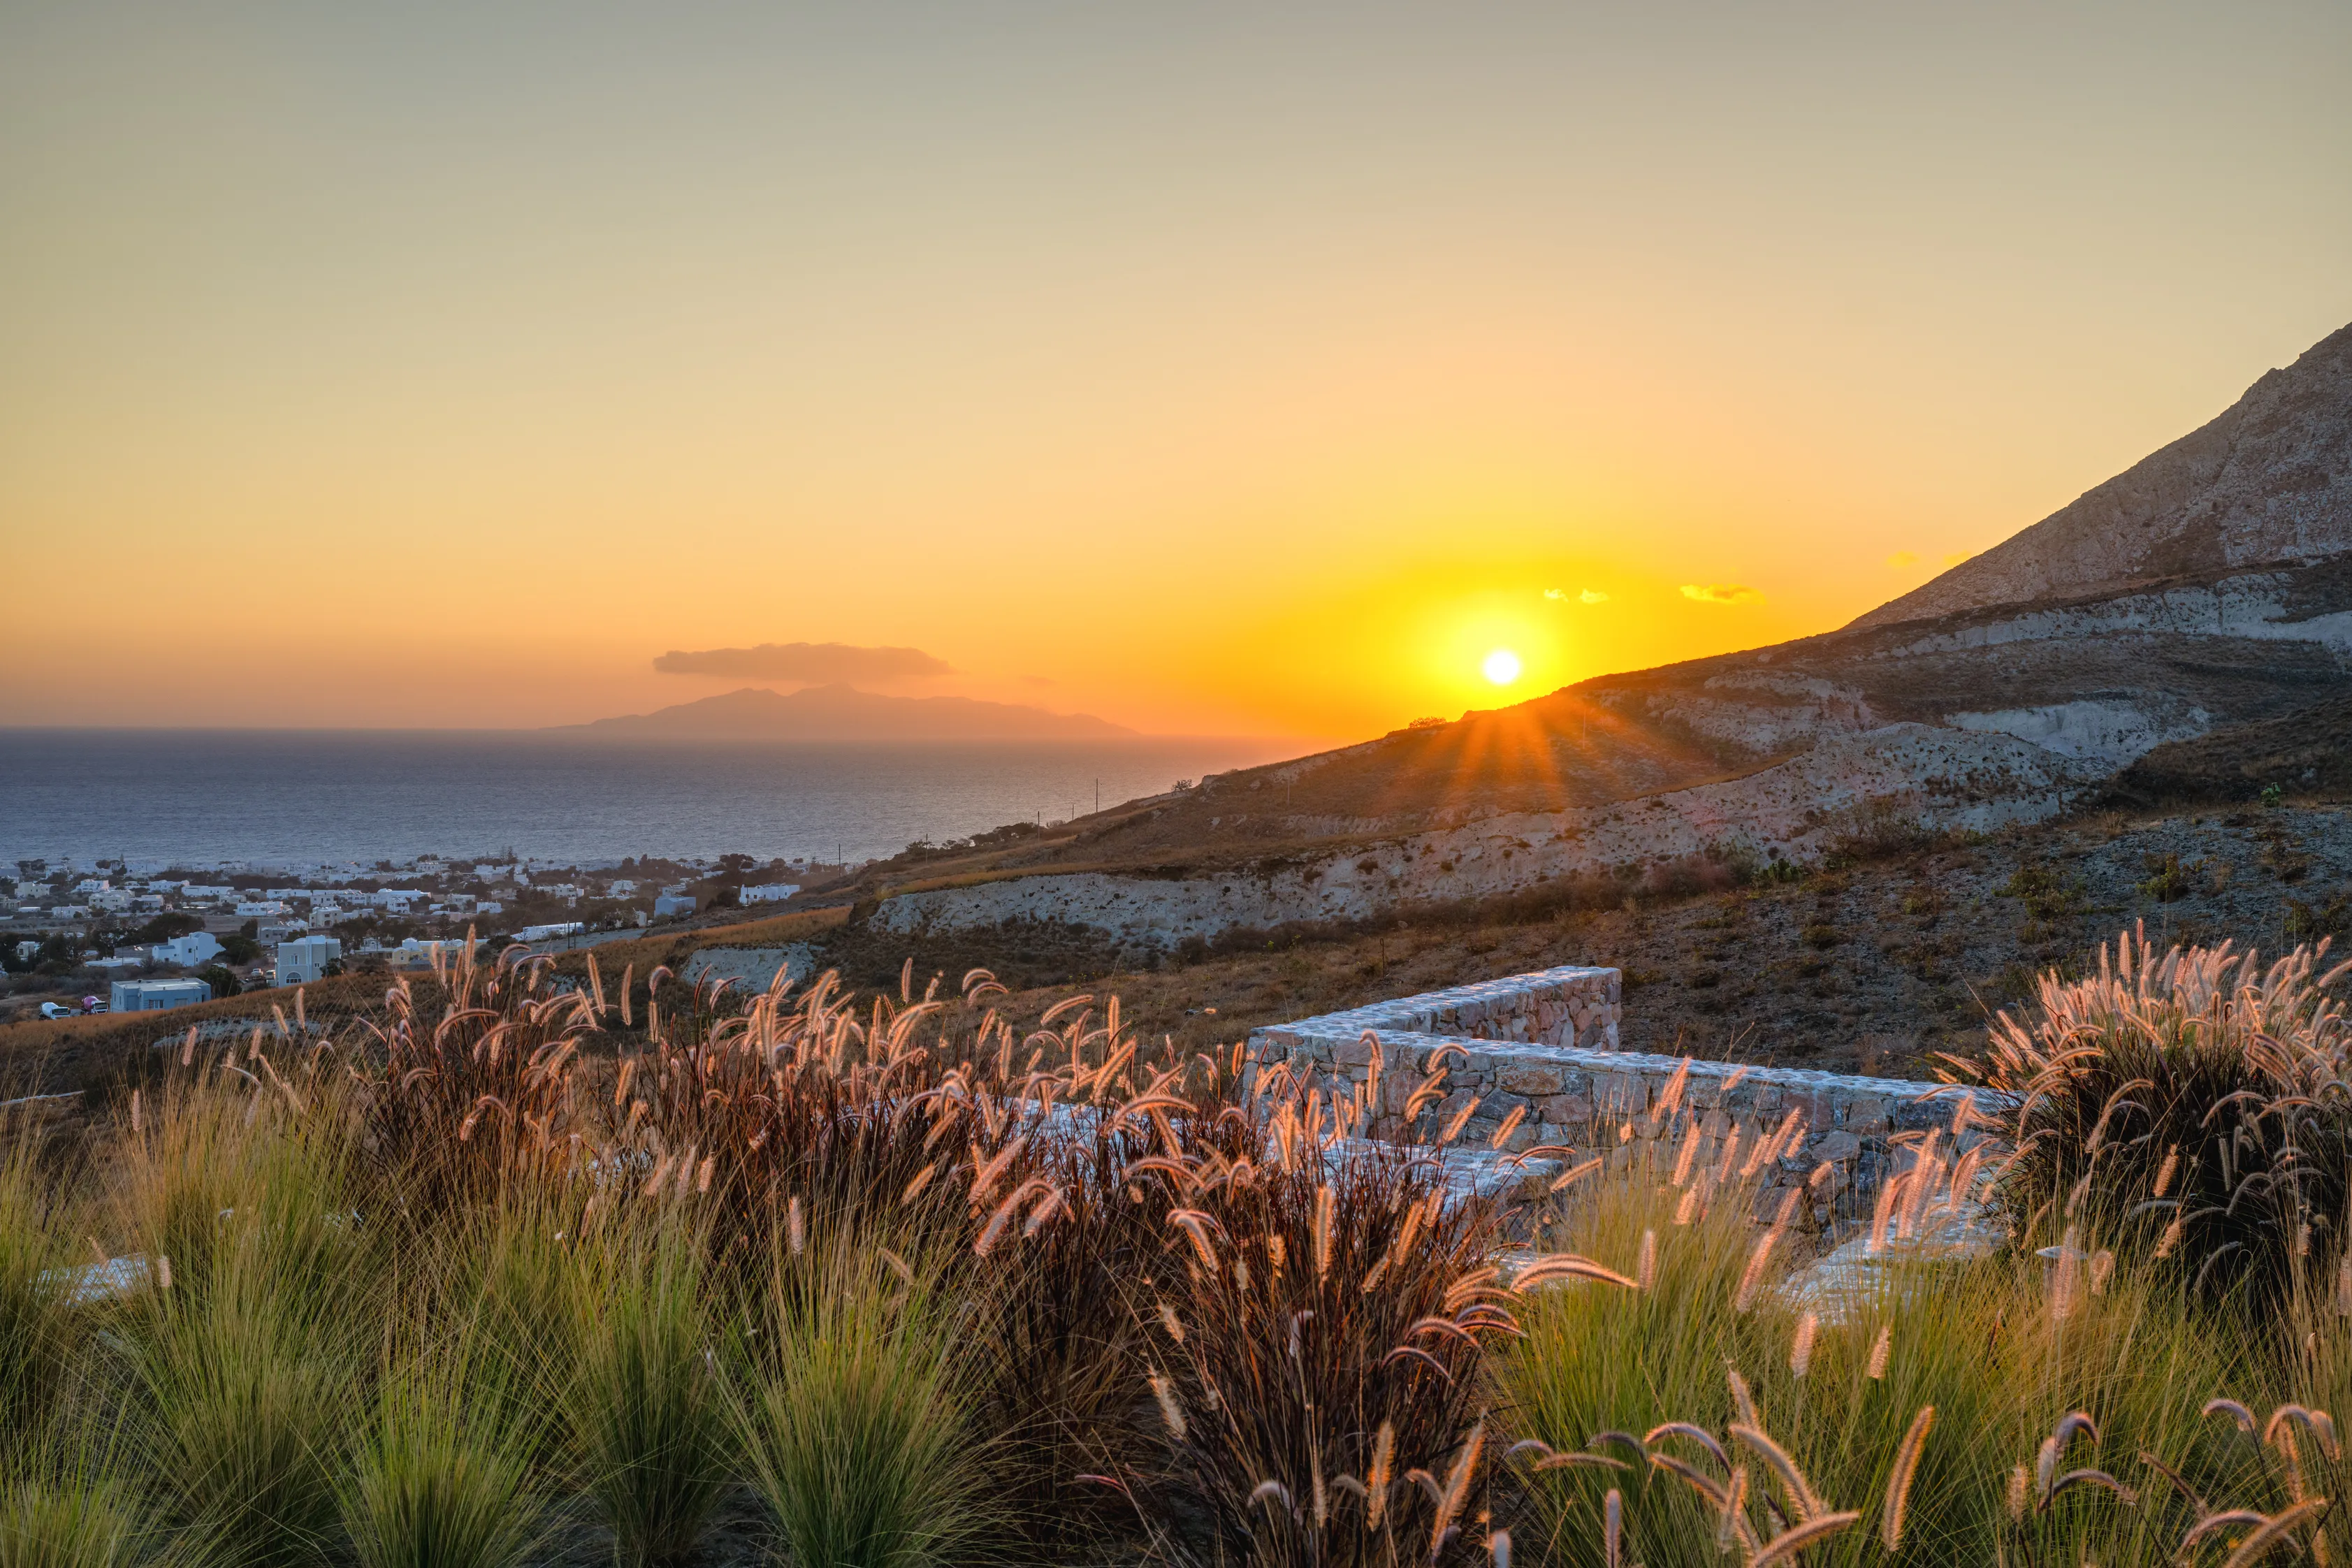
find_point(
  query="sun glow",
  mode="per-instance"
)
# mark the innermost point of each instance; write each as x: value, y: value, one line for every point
x: 1502, y: 667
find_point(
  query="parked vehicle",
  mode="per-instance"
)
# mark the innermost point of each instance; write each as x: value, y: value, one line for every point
x: 58, y: 1010
x: 93, y: 1004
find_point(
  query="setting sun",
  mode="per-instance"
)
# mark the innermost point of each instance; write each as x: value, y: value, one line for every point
x: 1502, y: 667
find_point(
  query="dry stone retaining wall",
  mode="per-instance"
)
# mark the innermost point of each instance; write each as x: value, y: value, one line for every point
x: 1547, y: 1042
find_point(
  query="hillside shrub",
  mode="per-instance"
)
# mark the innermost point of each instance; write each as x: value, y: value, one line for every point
x: 2190, y: 1104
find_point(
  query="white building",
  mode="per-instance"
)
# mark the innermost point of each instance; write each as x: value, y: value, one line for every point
x: 256, y: 909
x: 92, y: 885
x: 543, y: 934
x: 154, y: 995
x: 27, y: 951
x: 112, y: 900
x: 674, y: 904
x: 196, y: 947
x: 305, y: 959
x: 770, y: 892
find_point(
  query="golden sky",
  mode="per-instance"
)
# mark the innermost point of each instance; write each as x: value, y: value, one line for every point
x: 1212, y: 369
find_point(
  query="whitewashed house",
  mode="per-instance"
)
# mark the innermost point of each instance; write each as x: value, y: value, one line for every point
x: 305, y: 959
x: 154, y: 995
x: 196, y: 947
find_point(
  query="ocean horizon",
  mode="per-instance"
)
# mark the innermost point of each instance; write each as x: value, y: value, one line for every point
x: 293, y: 797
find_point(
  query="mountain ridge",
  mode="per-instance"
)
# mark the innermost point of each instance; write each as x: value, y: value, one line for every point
x: 2266, y: 482
x: 2195, y: 611
x: 840, y: 712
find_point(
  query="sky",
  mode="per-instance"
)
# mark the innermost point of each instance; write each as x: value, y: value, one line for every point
x: 1213, y: 368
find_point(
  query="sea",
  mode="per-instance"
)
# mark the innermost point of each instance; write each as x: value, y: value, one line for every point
x: 294, y: 798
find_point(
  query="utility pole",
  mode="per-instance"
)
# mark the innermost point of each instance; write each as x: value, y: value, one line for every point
x: 1097, y: 797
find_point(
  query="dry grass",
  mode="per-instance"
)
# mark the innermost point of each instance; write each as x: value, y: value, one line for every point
x: 939, y: 1288
x: 311, y: 1223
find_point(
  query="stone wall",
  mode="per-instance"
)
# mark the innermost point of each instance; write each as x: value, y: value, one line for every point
x: 750, y: 969
x: 1573, y: 1005
x: 1506, y: 1044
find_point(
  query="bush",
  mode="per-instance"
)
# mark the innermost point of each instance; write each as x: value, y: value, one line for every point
x: 1880, y: 829
x: 167, y: 925
x: 2192, y: 1104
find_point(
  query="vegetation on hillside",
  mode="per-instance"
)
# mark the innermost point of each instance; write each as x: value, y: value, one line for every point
x: 820, y: 1278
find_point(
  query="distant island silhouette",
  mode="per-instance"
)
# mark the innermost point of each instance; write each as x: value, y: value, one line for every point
x: 841, y: 712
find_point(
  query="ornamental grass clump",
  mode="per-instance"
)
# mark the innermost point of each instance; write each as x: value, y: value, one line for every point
x: 242, y: 1400
x: 2192, y: 1106
x: 1319, y: 1312
x: 855, y: 1408
x: 438, y: 1477
x: 69, y: 1515
x: 36, y: 1289
x: 457, y: 1107
x: 646, y: 1415
x: 1907, y: 1399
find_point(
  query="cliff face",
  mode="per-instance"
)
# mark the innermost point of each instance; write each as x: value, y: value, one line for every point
x: 2268, y: 482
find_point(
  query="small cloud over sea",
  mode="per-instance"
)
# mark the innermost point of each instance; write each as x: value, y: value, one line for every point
x: 1902, y: 558
x: 1723, y: 593
x: 815, y: 663
x: 1582, y: 596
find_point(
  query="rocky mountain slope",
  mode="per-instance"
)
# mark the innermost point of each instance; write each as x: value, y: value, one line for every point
x: 2268, y: 482
x: 2184, y: 630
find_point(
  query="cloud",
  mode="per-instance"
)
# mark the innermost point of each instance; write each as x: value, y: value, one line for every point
x: 1904, y: 558
x: 1039, y: 680
x: 1586, y: 596
x: 1956, y: 558
x: 1722, y: 594
x: 814, y: 663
